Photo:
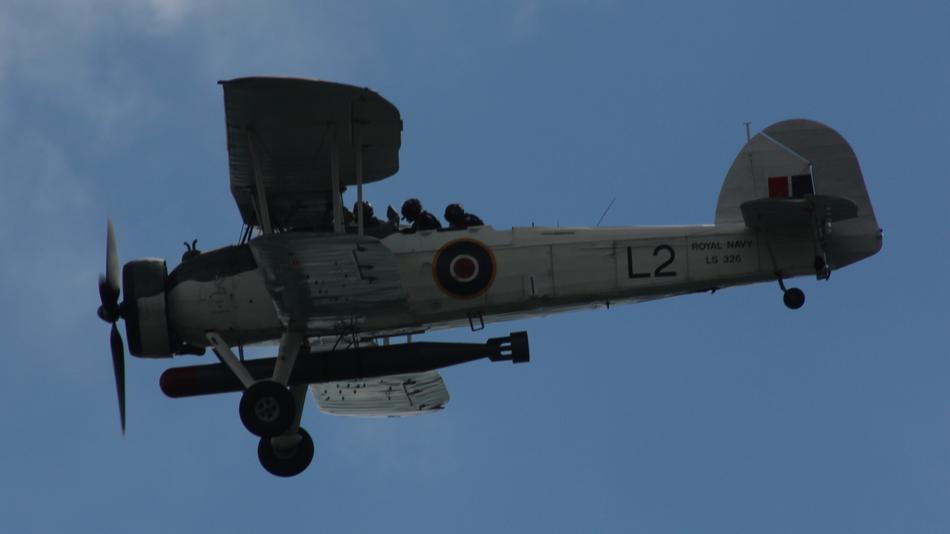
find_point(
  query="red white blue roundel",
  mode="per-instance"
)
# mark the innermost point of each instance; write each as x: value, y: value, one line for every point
x: 464, y: 268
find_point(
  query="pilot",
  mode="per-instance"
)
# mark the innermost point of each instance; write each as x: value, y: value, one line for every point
x: 348, y: 218
x: 458, y: 219
x: 421, y: 220
x: 369, y: 220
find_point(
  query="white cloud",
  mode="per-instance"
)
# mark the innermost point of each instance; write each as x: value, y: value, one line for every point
x: 70, y: 85
x: 41, y: 224
x: 53, y: 52
x: 170, y: 11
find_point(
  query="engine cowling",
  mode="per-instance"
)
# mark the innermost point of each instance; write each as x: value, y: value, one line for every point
x: 144, y: 311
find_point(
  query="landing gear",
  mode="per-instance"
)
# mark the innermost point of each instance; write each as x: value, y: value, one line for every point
x: 794, y: 298
x: 286, y: 456
x: 268, y: 409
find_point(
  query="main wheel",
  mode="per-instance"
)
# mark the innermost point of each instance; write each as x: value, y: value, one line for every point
x: 286, y: 462
x: 794, y: 298
x: 267, y: 409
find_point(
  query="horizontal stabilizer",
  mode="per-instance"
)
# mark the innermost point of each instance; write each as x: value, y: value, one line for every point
x: 385, y: 396
x: 796, y: 215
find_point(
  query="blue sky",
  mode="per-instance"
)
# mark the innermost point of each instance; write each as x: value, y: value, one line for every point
x: 723, y: 413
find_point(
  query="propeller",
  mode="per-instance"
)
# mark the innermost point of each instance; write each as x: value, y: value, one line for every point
x: 110, y: 311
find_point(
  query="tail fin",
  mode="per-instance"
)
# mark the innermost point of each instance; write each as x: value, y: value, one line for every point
x: 794, y: 159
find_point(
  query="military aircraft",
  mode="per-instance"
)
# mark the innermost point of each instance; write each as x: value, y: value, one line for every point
x: 333, y: 294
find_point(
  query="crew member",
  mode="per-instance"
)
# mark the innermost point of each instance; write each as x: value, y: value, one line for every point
x: 369, y: 221
x: 421, y: 220
x: 348, y: 218
x: 458, y: 219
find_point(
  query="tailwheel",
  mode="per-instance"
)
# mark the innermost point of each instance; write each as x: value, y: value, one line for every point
x: 794, y: 298
x: 289, y: 457
x: 267, y: 409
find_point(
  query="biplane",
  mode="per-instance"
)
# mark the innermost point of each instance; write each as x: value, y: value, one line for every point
x: 333, y: 295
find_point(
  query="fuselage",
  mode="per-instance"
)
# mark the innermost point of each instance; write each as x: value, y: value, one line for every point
x: 491, y: 275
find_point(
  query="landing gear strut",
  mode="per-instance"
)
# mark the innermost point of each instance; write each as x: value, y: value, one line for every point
x: 287, y: 455
x: 270, y: 410
x: 793, y: 298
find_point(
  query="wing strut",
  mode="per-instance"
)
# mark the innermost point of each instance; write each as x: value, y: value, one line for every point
x: 358, y: 142
x: 335, y: 184
x: 336, y: 189
x: 263, y: 211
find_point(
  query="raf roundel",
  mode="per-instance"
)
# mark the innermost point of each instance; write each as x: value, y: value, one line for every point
x: 464, y: 268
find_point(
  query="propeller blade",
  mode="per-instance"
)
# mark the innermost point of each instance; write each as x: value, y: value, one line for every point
x: 109, y: 311
x: 109, y: 284
x: 112, y: 261
x: 118, y: 365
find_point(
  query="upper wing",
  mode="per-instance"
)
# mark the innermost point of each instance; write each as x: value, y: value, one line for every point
x: 410, y: 394
x: 288, y: 129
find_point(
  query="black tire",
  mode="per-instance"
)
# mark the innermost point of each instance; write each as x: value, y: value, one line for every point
x: 794, y: 298
x: 286, y: 463
x: 267, y: 409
